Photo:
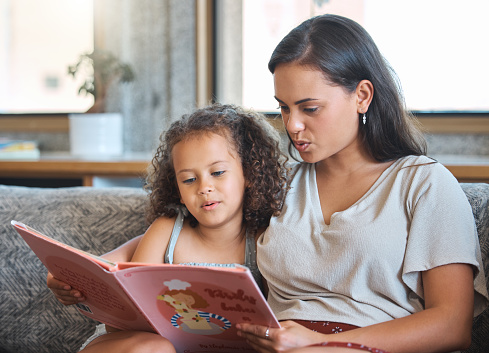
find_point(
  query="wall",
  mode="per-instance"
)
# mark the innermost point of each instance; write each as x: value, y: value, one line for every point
x: 158, y: 38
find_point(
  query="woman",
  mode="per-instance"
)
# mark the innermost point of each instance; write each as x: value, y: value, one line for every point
x: 376, y: 242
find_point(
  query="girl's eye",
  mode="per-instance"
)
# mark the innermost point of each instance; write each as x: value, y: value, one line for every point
x: 310, y: 110
x: 188, y: 181
x: 218, y: 173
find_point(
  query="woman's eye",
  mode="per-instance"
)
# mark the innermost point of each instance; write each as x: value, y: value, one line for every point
x: 218, y: 173
x: 283, y: 108
x: 189, y: 180
x: 310, y: 110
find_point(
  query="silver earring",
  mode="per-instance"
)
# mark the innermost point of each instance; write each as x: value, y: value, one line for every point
x: 364, y: 118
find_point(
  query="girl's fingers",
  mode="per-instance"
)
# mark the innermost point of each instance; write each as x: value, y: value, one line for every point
x: 63, y: 291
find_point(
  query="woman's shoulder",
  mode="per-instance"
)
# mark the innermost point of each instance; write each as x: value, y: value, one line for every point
x: 414, y: 161
x: 295, y: 168
x: 422, y: 167
x: 422, y: 172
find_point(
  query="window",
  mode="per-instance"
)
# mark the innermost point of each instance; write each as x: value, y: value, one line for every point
x: 438, y: 48
x: 38, y: 40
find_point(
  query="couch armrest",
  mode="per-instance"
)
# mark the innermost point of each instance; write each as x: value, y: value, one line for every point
x: 94, y: 220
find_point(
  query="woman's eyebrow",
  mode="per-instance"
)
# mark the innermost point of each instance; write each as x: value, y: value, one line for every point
x: 299, y: 101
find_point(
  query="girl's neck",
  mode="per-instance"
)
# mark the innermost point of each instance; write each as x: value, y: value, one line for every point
x: 221, y: 237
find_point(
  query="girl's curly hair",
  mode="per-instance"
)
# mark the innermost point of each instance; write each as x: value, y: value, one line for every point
x: 256, y: 143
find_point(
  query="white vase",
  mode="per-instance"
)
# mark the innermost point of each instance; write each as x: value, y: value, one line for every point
x: 96, y: 136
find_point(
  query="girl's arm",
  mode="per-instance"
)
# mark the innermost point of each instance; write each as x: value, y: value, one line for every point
x: 153, y: 244
x: 68, y: 296
x: 445, y: 325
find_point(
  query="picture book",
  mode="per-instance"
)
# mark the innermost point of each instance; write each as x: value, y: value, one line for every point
x: 195, y: 307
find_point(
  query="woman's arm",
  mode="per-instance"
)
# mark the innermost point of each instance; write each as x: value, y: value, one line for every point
x: 445, y: 325
x: 68, y: 296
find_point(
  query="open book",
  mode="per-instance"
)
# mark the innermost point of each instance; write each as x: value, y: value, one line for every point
x: 195, y: 307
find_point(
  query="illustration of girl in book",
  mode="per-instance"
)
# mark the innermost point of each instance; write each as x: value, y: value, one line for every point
x: 186, y: 304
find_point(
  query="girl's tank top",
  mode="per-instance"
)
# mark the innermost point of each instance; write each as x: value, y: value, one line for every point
x: 250, y: 251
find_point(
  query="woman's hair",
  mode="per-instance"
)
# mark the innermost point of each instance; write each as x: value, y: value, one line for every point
x: 254, y: 140
x: 346, y: 54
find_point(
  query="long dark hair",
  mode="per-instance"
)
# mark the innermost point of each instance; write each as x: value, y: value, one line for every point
x: 346, y: 54
x: 255, y: 141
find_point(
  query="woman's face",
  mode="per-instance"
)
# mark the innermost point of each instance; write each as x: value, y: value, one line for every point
x: 321, y: 118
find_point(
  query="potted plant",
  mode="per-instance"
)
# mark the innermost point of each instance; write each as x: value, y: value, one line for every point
x: 96, y: 134
x: 101, y: 68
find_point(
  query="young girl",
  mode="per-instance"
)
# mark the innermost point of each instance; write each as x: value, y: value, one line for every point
x: 216, y: 180
x: 376, y: 243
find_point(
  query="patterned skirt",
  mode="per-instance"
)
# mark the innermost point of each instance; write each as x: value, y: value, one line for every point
x: 328, y: 327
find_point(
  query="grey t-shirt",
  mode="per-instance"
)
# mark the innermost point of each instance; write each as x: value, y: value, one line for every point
x: 364, y: 267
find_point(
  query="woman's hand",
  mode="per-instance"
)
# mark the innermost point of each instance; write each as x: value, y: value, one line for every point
x: 290, y: 335
x: 63, y: 291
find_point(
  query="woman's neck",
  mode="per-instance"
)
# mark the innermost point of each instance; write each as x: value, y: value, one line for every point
x: 346, y: 163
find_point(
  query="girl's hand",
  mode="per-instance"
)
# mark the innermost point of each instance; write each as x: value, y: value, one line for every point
x: 290, y: 335
x: 63, y: 291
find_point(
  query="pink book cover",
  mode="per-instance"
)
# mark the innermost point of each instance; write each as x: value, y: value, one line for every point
x: 195, y: 307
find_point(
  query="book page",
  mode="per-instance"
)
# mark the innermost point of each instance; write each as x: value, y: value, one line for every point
x: 197, y: 308
x: 106, y: 301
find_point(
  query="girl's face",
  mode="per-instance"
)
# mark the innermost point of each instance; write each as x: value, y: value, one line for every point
x: 321, y: 118
x: 210, y: 179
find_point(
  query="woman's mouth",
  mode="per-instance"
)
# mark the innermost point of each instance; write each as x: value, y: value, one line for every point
x: 301, y: 146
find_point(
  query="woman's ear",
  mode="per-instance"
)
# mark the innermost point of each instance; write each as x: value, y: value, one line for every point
x: 365, y: 94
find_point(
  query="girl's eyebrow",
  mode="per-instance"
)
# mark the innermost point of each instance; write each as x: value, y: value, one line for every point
x: 299, y: 101
x: 191, y: 170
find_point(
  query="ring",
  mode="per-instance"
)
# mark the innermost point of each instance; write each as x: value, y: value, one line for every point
x: 267, y: 332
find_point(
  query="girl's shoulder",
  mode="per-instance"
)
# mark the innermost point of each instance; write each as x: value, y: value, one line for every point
x: 159, y: 232
x: 152, y: 247
x: 163, y: 223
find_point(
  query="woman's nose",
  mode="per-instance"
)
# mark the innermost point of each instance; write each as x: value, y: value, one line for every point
x: 294, y: 124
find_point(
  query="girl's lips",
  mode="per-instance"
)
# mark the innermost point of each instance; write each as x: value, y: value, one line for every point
x: 210, y: 205
x: 301, y: 146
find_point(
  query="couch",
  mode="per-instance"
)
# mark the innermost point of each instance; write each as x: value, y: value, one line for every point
x: 98, y: 220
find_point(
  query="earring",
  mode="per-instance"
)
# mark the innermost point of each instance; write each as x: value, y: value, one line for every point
x: 364, y: 118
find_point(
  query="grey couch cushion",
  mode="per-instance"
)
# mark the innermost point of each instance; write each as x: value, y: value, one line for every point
x: 478, y: 196
x: 94, y: 220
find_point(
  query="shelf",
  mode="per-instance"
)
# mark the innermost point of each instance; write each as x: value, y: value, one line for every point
x: 55, y: 166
